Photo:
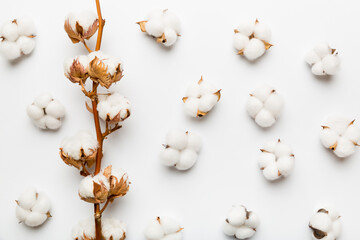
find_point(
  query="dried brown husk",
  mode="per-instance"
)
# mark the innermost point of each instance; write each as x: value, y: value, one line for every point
x: 142, y: 25
x: 98, y: 72
x: 118, y: 187
x: 77, y: 73
x: 79, y: 34
x: 100, y: 193
x: 83, y: 161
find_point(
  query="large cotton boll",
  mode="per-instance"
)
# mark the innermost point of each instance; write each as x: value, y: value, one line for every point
x: 246, y: 28
x: 154, y: 28
x: 169, y: 156
x: 253, y: 106
x: 26, y: 44
x: 10, y: 50
x: 254, y: 49
x: 312, y: 58
x: 240, y: 41
x: 331, y: 64
x: 264, y: 118
x: 26, y: 26
x: 262, y: 31
x: 188, y: 158
x: 207, y: 102
x: 170, y: 36
x: 10, y: 31
x: 322, y: 49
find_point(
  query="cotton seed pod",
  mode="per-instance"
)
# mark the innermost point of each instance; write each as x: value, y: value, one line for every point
x: 265, y: 105
x: 46, y: 112
x: 341, y: 135
x: 17, y: 38
x: 276, y: 160
x: 81, y: 26
x: 323, y: 60
x: 76, y: 69
x: 325, y: 224
x: 200, y: 98
x: 181, y: 149
x: 240, y: 223
x: 104, y: 69
x: 33, y: 208
x: 79, y: 150
x: 112, y: 229
x: 251, y: 39
x: 163, y: 25
x: 163, y: 228
x: 109, y: 184
x: 112, y: 107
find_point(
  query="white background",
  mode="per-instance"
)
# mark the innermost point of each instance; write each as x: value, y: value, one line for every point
x: 155, y: 80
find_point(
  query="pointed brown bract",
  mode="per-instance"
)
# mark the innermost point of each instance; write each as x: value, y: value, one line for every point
x: 267, y: 45
x: 184, y: 99
x: 98, y: 72
x: 118, y: 187
x: 82, y: 162
x: 142, y: 25
x: 79, y: 34
x: 161, y: 39
x: 77, y: 72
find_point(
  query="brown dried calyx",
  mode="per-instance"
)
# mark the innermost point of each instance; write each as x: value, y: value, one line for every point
x: 79, y: 34
x: 82, y: 163
x: 77, y: 72
x: 98, y: 72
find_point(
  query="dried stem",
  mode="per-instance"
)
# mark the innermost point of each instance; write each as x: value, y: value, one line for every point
x: 101, y: 26
x: 86, y: 46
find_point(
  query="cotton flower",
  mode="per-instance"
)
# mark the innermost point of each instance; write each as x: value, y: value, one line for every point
x: 200, y: 98
x: 276, y: 159
x: 181, y: 149
x: 112, y: 229
x: 81, y: 26
x: 163, y: 25
x: 341, y: 135
x: 264, y: 105
x: 46, y: 112
x: 80, y: 150
x: 323, y: 60
x: 109, y: 184
x: 17, y: 38
x: 240, y: 223
x: 33, y: 208
x: 163, y: 228
x: 325, y: 224
x: 251, y: 39
x: 112, y: 107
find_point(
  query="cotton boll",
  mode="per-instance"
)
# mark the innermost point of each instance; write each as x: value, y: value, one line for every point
x: 318, y: 69
x: 344, y: 148
x: 26, y: 26
x: 194, y: 142
x: 21, y: 213
x: 240, y: 41
x: 237, y: 216
x: 271, y: 172
x: 42, y: 204
x: 28, y: 198
x: 154, y: 28
x: 169, y: 156
x: 254, y: 49
x: 264, y: 118
x: 330, y: 64
x: 191, y: 106
x: 34, y: 112
x: 207, y: 102
x: 9, y: 50
x: 229, y: 229
x: 188, y: 158
x: 253, y: 106
x: 43, y: 100
x: 170, y: 20
x: 10, y: 31
x: 35, y: 219
x: 244, y: 232
x: 26, y: 44
x: 170, y: 36
x: 52, y: 123
x: 86, y: 187
x: 55, y: 109
x: 274, y: 104
x: 312, y: 58
x: 154, y: 231
x: 322, y: 49
x: 262, y: 31
x: 285, y: 165
x: 176, y: 138
x: 246, y: 28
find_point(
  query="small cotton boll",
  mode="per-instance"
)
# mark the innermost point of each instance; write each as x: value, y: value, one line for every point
x: 246, y: 28
x: 26, y: 44
x: 43, y: 204
x: 35, y: 219
x: 10, y: 50
x: 240, y: 41
x: 266, y: 159
x: 26, y: 26
x: 207, y: 102
x: 10, y: 31
x: 244, y: 232
x: 344, y: 148
x: 34, y: 112
x: 322, y: 49
x: 321, y: 221
x: 285, y: 165
x: 169, y: 225
x: 194, y: 142
x: 154, y: 28
x: 169, y: 156
x: 229, y: 229
x: 28, y: 198
x: 253, y: 106
x: 312, y: 58
x: 237, y: 216
x: 86, y: 188
x: 254, y: 49
x: 262, y: 31
x: 274, y: 104
x: 170, y: 36
x: 191, y: 106
x: 21, y: 213
x: 43, y: 100
x: 55, y: 109
x: 264, y: 118
x: 170, y: 20
x: 318, y: 69
x: 271, y: 172
x: 154, y: 231
x: 331, y: 64
x: 51, y: 122
x: 176, y: 138
x: 188, y: 158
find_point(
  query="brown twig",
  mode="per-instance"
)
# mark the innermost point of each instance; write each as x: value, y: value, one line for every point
x: 86, y: 46
x: 101, y: 26
x: 105, y: 206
